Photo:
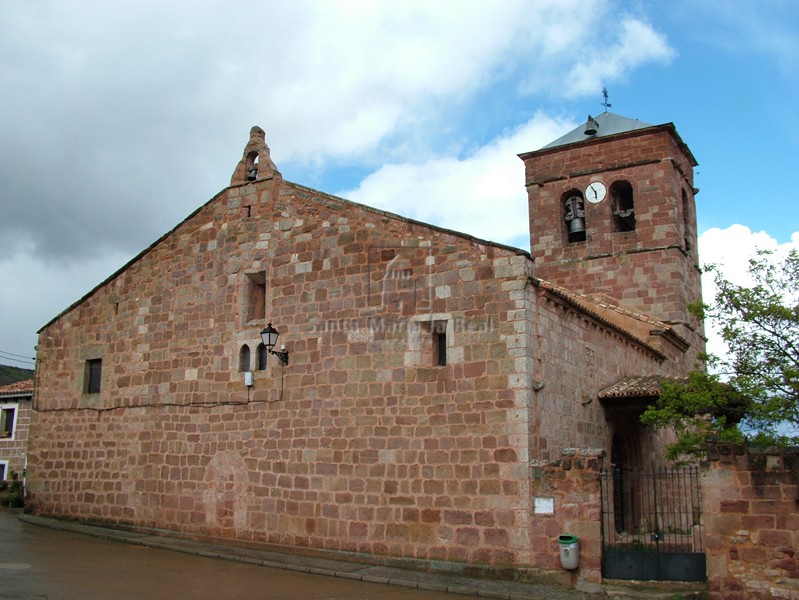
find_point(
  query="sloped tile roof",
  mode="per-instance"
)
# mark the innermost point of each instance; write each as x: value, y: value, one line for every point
x: 18, y: 388
x: 647, y: 386
x: 637, y: 326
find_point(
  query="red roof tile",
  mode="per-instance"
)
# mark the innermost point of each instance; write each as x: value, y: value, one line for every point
x: 17, y: 388
x: 633, y: 387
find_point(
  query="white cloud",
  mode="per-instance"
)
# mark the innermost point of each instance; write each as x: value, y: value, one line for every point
x: 637, y: 43
x: 119, y: 119
x: 589, y: 46
x: 482, y: 194
x: 35, y: 291
x: 730, y: 249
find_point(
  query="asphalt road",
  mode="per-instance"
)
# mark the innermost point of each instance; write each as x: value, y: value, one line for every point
x: 47, y: 564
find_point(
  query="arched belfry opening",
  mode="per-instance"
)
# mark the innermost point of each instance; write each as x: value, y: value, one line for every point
x: 574, y: 215
x: 252, y: 166
x: 623, y: 206
x: 256, y: 163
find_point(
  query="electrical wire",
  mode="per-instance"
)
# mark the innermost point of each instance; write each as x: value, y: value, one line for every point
x: 24, y: 360
x: 17, y: 355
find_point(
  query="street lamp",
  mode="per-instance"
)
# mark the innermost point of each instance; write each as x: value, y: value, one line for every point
x: 269, y: 335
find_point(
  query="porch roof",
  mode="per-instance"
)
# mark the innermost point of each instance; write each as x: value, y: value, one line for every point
x: 645, y: 386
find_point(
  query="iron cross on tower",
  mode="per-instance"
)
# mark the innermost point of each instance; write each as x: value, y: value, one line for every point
x: 605, y: 101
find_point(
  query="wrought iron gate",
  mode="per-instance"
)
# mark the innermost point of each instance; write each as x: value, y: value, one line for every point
x: 651, y: 525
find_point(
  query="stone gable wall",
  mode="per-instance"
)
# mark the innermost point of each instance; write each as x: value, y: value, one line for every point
x: 360, y: 444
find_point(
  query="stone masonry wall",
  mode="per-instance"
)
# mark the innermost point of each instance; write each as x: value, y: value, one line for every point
x: 751, y: 523
x: 360, y: 444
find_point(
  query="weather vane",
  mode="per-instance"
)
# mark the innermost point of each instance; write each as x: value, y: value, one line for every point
x: 605, y: 102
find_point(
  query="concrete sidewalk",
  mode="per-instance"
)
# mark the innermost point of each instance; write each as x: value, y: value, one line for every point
x: 458, y: 584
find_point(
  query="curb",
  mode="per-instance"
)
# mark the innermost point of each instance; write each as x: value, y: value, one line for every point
x: 434, y: 582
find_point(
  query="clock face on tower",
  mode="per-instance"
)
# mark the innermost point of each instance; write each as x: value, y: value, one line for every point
x: 595, y: 192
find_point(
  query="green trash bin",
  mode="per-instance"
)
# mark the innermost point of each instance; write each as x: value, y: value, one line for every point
x: 569, y: 551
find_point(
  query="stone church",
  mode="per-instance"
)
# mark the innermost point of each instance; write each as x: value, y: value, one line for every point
x: 422, y: 376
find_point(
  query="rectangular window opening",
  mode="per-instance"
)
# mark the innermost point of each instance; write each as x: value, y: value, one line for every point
x: 94, y: 372
x: 439, y: 331
x: 7, y: 422
x: 255, y: 297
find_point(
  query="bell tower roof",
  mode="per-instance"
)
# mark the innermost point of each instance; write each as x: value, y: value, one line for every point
x: 603, y: 127
x: 604, y: 124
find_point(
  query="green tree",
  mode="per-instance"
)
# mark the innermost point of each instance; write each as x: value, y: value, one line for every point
x: 751, y: 394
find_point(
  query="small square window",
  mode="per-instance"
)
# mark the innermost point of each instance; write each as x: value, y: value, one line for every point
x: 94, y: 372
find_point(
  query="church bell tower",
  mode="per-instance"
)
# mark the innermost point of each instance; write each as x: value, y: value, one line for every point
x: 612, y: 216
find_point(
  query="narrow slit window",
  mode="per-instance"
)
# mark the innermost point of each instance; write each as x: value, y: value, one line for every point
x: 431, y: 342
x: 440, y: 340
x: 438, y: 330
x: 686, y: 226
x: 94, y: 375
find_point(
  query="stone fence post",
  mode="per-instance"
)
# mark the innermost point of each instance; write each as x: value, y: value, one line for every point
x: 566, y: 500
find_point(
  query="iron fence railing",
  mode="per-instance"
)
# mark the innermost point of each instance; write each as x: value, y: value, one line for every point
x: 657, y: 509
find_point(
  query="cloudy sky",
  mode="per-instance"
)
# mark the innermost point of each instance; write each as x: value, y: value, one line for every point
x: 118, y: 119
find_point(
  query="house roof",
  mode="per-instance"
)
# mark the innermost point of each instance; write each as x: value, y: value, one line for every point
x: 18, y: 389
